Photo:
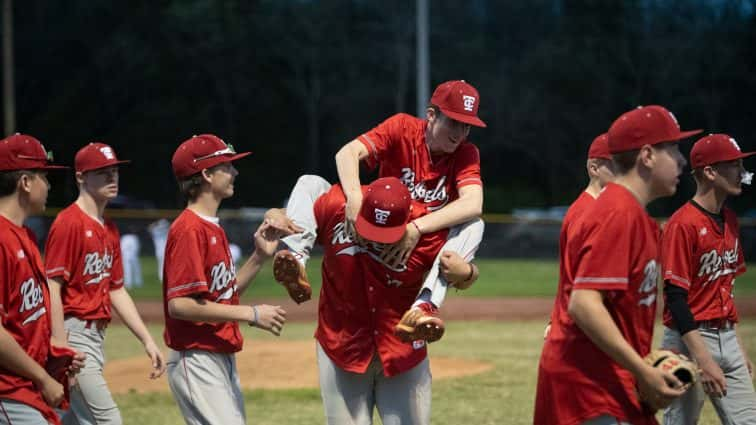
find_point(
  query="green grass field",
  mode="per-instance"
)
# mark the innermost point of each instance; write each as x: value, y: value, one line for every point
x: 502, y: 396
x: 498, y: 278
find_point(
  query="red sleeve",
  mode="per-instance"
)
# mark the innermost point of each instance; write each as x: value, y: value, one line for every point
x: 116, y: 271
x: 603, y: 259
x: 62, y: 249
x: 677, y: 250
x: 379, y: 140
x: 467, y: 166
x: 184, y: 264
x: 6, y: 274
x: 325, y: 207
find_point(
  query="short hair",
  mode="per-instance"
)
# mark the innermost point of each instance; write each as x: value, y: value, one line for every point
x: 625, y: 161
x: 190, y: 186
x: 9, y: 181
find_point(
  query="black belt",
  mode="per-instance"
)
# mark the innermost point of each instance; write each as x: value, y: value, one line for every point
x: 716, y: 324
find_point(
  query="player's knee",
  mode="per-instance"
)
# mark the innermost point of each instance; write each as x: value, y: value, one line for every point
x: 311, y: 180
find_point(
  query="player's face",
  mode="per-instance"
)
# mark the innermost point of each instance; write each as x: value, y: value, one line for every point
x: 728, y: 176
x: 102, y: 183
x: 666, y: 168
x: 444, y: 134
x: 39, y: 186
x: 222, y: 180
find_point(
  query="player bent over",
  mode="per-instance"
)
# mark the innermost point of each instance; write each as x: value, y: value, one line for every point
x: 439, y: 165
x: 85, y: 276
x: 362, y: 363
x: 600, y: 173
x: 201, y: 288
x: 28, y: 394
x: 592, y: 366
x: 701, y: 256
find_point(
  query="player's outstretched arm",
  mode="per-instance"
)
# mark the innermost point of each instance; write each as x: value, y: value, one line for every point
x: 124, y: 306
x: 271, y: 318
x: 59, y: 335
x: 14, y: 359
x: 587, y: 309
x: 266, y: 239
x: 348, y: 166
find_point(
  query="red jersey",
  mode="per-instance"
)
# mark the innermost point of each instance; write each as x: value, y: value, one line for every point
x: 362, y: 299
x: 614, y: 250
x: 704, y: 259
x: 24, y: 311
x: 198, y: 264
x: 86, y: 255
x: 398, y: 146
x: 566, y: 268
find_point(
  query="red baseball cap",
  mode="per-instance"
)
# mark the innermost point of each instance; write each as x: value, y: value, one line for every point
x: 385, y: 211
x: 96, y: 155
x: 458, y: 101
x: 645, y: 125
x: 600, y: 148
x: 201, y: 152
x: 715, y: 148
x: 24, y: 152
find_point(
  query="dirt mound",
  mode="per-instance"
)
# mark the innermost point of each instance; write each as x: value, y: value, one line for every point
x: 269, y: 365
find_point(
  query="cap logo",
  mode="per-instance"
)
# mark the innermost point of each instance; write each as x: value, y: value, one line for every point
x: 381, y: 216
x: 734, y: 143
x: 468, y: 102
x: 107, y: 152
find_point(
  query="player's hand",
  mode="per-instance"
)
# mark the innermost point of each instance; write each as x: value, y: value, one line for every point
x: 712, y: 378
x: 266, y: 239
x: 77, y: 364
x: 453, y: 267
x: 279, y: 221
x: 546, y: 331
x: 52, y: 390
x: 397, y: 254
x: 658, y: 388
x: 156, y: 357
x: 269, y: 317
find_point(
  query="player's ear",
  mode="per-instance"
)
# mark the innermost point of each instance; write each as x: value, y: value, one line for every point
x: 430, y: 114
x: 24, y: 183
x: 79, y: 176
x: 709, y: 173
x: 206, y: 174
x: 646, y: 156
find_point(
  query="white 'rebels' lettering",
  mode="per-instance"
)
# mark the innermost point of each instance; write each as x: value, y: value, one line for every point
x: 381, y: 216
x: 222, y: 276
x: 340, y: 234
x: 418, y: 191
x: 94, y: 265
x: 715, y: 265
x: 469, y: 102
x: 31, y: 295
x: 648, y: 286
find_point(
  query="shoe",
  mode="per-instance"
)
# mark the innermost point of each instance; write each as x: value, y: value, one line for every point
x: 291, y: 274
x: 420, y: 323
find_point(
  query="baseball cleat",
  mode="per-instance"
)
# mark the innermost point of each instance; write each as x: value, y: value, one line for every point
x: 291, y: 274
x: 420, y: 323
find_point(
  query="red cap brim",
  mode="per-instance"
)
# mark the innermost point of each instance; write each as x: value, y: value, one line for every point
x: 467, y: 119
x: 685, y: 134
x: 53, y: 167
x: 109, y: 164
x: 380, y: 234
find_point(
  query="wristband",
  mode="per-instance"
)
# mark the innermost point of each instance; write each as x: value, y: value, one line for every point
x: 416, y: 227
x: 254, y: 321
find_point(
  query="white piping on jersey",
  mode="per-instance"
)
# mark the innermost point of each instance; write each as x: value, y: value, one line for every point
x: 601, y: 280
x: 57, y: 269
x: 372, y: 146
x: 476, y: 179
x: 676, y: 277
x: 186, y: 286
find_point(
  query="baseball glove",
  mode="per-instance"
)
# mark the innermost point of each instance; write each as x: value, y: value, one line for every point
x: 679, y: 365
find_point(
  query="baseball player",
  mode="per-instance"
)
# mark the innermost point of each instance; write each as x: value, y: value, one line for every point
x: 201, y: 288
x: 85, y: 276
x: 28, y: 394
x: 592, y: 360
x: 436, y: 162
x: 362, y: 363
x: 701, y: 256
x: 600, y: 173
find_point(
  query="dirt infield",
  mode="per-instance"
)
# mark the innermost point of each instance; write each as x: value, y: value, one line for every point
x: 455, y: 308
x: 269, y: 365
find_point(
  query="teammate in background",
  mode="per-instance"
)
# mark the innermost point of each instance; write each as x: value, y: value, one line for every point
x: 28, y: 393
x: 85, y: 276
x: 159, y: 233
x: 701, y: 257
x: 362, y: 363
x: 441, y: 169
x: 201, y: 288
x: 600, y: 173
x: 592, y: 361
